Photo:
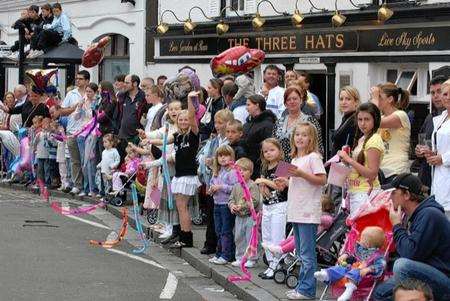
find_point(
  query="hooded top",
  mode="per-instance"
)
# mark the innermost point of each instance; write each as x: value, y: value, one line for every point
x: 427, y: 238
x: 255, y: 131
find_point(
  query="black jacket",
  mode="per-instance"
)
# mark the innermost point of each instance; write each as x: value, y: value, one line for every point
x: 255, y: 131
x: 239, y: 150
x: 28, y: 112
x: 345, y: 133
x: 427, y: 238
x: 130, y: 112
x: 107, y: 123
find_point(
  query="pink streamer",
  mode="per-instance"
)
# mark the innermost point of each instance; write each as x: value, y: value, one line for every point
x: 252, y: 248
x: 75, y: 211
x: 45, y: 195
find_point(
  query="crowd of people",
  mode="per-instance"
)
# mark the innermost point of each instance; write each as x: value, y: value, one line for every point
x: 42, y: 31
x: 85, y: 143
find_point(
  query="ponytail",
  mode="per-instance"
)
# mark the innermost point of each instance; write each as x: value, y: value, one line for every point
x: 400, y: 96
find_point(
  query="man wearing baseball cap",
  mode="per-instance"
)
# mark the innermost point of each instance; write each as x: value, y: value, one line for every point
x: 423, y: 242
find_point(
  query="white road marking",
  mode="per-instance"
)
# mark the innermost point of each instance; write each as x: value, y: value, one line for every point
x: 95, y: 224
x: 147, y: 261
x: 170, y: 288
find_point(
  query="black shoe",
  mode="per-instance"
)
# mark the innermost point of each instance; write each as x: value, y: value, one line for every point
x: 67, y: 190
x: 207, y: 251
x: 262, y: 274
x: 177, y: 245
x: 172, y: 238
x: 266, y: 277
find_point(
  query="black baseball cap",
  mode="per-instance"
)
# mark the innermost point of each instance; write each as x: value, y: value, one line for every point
x: 406, y: 181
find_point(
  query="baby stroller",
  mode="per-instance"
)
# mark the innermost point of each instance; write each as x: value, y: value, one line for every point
x: 374, y: 212
x: 328, y: 244
x: 119, y: 197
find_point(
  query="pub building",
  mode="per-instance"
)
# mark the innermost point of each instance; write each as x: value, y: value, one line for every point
x: 408, y: 49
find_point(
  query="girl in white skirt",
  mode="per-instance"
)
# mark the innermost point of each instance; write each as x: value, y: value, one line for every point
x: 185, y: 183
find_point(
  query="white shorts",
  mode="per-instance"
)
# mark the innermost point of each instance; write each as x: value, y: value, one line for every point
x: 186, y: 185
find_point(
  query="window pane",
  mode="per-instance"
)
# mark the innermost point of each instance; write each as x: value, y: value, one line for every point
x: 405, y: 79
x: 391, y: 75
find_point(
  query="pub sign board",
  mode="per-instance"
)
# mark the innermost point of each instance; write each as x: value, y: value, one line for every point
x: 401, y: 39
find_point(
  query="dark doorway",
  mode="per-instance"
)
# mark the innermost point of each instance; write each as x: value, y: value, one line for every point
x: 318, y: 86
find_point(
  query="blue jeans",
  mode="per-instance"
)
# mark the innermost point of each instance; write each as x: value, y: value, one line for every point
x: 305, y: 244
x: 88, y: 166
x: 224, y: 224
x: 43, y: 171
x: 406, y: 268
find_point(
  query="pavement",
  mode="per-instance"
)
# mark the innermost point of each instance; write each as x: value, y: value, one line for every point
x: 256, y: 289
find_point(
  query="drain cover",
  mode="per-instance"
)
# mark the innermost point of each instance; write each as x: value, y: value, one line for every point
x: 38, y: 223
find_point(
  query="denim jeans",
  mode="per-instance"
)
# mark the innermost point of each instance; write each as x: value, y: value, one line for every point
x: 406, y: 268
x: 305, y: 243
x: 87, y: 165
x: 43, y: 171
x: 69, y: 172
x: 224, y: 224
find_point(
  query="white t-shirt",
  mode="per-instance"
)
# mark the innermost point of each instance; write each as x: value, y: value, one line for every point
x: 151, y: 115
x: 72, y: 98
x: 110, y: 160
x: 303, y: 197
x: 275, y: 101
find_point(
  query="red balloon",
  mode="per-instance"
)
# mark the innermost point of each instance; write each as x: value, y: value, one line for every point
x: 239, y: 59
x: 94, y: 54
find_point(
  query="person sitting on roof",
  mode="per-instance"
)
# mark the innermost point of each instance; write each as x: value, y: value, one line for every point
x: 55, y: 33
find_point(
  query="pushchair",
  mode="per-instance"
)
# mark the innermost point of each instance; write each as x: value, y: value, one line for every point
x: 119, y: 197
x: 328, y: 244
x: 374, y: 212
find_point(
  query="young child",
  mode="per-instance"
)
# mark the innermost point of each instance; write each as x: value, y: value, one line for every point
x: 304, y: 209
x: 132, y: 161
x: 185, y: 183
x: 234, y: 133
x: 326, y: 220
x: 61, y: 160
x: 273, y: 222
x: 368, y: 151
x: 240, y: 208
x: 367, y: 260
x: 110, y: 160
x: 205, y: 158
x: 41, y: 150
x: 224, y: 178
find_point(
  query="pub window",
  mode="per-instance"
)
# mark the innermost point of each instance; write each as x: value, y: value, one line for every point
x: 345, y: 80
x: 408, y: 80
x: 391, y: 75
x: 237, y: 5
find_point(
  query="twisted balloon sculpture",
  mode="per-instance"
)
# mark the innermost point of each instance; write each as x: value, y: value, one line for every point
x: 252, y: 248
x: 141, y: 234
x: 165, y: 168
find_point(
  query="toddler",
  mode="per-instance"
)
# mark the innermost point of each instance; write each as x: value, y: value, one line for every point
x: 367, y: 260
x: 110, y: 160
x: 240, y: 208
x: 132, y: 161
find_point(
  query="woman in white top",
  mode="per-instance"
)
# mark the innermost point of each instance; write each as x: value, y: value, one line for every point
x: 154, y: 97
x: 439, y: 159
x: 395, y: 128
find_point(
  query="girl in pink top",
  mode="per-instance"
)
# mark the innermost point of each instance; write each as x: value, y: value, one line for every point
x: 304, y: 207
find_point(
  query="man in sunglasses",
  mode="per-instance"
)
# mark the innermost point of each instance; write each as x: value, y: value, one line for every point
x: 423, y: 242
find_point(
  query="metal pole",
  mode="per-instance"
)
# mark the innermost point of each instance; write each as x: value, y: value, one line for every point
x: 21, y: 55
x: 330, y: 105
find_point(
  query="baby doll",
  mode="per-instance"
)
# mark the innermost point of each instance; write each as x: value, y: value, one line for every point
x: 132, y: 161
x: 367, y: 260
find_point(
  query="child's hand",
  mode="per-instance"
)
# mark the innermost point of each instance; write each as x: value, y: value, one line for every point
x: 141, y: 134
x: 214, y: 188
x: 193, y: 94
x: 260, y: 181
x: 342, y: 259
x: 344, y: 156
x: 282, y: 183
x: 295, y: 172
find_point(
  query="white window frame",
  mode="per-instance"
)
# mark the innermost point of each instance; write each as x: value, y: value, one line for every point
x: 420, y: 70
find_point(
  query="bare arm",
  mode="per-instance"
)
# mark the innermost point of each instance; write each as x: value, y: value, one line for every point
x: 191, y: 110
x: 390, y: 122
x: 373, y: 163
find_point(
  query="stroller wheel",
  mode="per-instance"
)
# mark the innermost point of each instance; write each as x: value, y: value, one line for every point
x: 291, y: 280
x: 117, y: 201
x: 265, y: 259
x: 279, y: 276
x: 152, y: 216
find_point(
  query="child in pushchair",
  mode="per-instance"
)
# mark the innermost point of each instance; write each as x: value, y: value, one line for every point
x: 363, y: 257
x: 125, y: 175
